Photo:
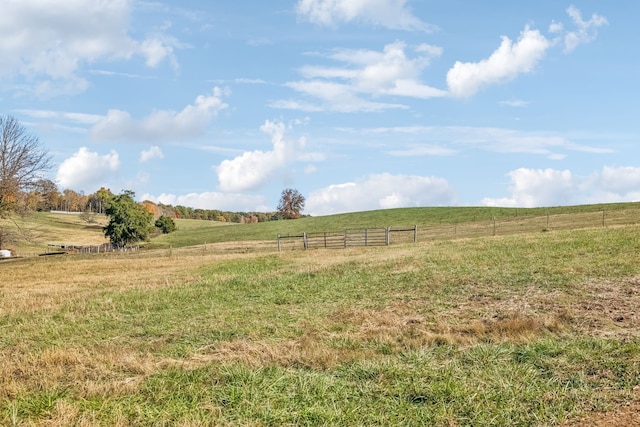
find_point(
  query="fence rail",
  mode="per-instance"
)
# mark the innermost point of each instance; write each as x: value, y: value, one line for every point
x: 518, y: 225
x: 53, y: 249
x: 346, y: 238
x: 492, y: 227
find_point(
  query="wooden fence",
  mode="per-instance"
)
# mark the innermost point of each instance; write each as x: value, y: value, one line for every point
x: 347, y: 238
x: 53, y: 249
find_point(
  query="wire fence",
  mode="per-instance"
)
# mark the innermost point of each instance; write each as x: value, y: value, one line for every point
x: 543, y: 223
x: 492, y: 227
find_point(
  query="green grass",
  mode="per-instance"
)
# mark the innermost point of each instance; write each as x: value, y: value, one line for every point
x: 524, y: 330
x: 292, y: 340
x: 192, y: 232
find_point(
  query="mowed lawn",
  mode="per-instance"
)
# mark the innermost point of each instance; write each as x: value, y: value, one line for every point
x: 521, y: 330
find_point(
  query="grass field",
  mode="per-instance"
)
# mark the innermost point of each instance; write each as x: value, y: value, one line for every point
x: 532, y: 329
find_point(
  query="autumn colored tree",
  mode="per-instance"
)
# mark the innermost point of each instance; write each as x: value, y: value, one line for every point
x: 46, y: 194
x: 104, y: 196
x: 291, y: 204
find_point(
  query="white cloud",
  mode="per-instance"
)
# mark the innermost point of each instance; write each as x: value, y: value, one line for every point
x: 586, y: 31
x: 80, y: 118
x: 507, y: 62
x: 87, y: 170
x: 154, y: 152
x: 550, y: 187
x: 385, y: 13
x: 446, y: 140
x: 161, y: 125
x: 253, y: 169
x: 214, y: 200
x: 50, y: 45
x: 380, y: 191
x: 365, y: 74
x: 537, y: 187
x: 613, y: 184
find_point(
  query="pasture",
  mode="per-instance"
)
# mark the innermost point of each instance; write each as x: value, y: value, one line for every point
x: 532, y: 329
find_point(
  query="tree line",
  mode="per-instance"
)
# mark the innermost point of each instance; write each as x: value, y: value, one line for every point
x: 23, y: 189
x: 45, y: 197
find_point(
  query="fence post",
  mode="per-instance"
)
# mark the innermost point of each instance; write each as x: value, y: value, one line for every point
x: 494, y: 225
x: 345, y: 238
x: 366, y: 237
x: 415, y: 233
x: 386, y: 235
x: 278, y: 242
x: 304, y: 240
x: 603, y: 217
x: 325, y: 239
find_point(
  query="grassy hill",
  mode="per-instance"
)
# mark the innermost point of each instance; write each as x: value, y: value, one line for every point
x: 527, y: 329
x: 38, y: 230
x: 432, y: 221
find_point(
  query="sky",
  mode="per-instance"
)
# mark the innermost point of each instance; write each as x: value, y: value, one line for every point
x: 357, y: 104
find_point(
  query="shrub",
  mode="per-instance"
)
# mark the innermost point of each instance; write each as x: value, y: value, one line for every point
x: 165, y: 224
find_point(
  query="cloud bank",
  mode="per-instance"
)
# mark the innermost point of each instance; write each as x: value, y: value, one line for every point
x: 161, y: 125
x: 51, y: 44
x: 549, y: 187
x: 380, y: 191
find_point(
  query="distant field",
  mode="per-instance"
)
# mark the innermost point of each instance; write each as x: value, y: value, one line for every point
x: 41, y: 229
x: 529, y: 329
x: 35, y: 231
x: 433, y: 223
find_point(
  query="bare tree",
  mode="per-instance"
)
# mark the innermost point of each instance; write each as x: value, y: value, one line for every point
x: 291, y: 204
x: 22, y: 160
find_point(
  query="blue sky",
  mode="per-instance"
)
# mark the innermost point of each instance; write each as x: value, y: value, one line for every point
x: 358, y: 104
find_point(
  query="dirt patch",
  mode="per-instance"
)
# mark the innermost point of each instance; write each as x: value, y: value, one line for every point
x: 627, y: 416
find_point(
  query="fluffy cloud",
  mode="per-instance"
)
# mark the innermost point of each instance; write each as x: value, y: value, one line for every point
x: 507, y: 62
x: 86, y: 170
x: 380, y: 191
x: 51, y: 44
x: 537, y: 187
x: 154, y: 152
x: 511, y: 59
x: 550, y: 187
x: 365, y: 73
x: 254, y: 168
x: 613, y: 184
x: 386, y: 13
x: 161, y: 125
x: 214, y: 200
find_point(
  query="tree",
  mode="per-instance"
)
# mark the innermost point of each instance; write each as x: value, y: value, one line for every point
x: 22, y: 160
x: 104, y: 196
x: 129, y: 221
x: 48, y: 195
x: 291, y: 204
x: 166, y: 224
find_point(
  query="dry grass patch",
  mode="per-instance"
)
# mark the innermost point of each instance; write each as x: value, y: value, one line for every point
x: 100, y: 371
x: 399, y: 328
x: 44, y: 284
x: 307, y: 351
